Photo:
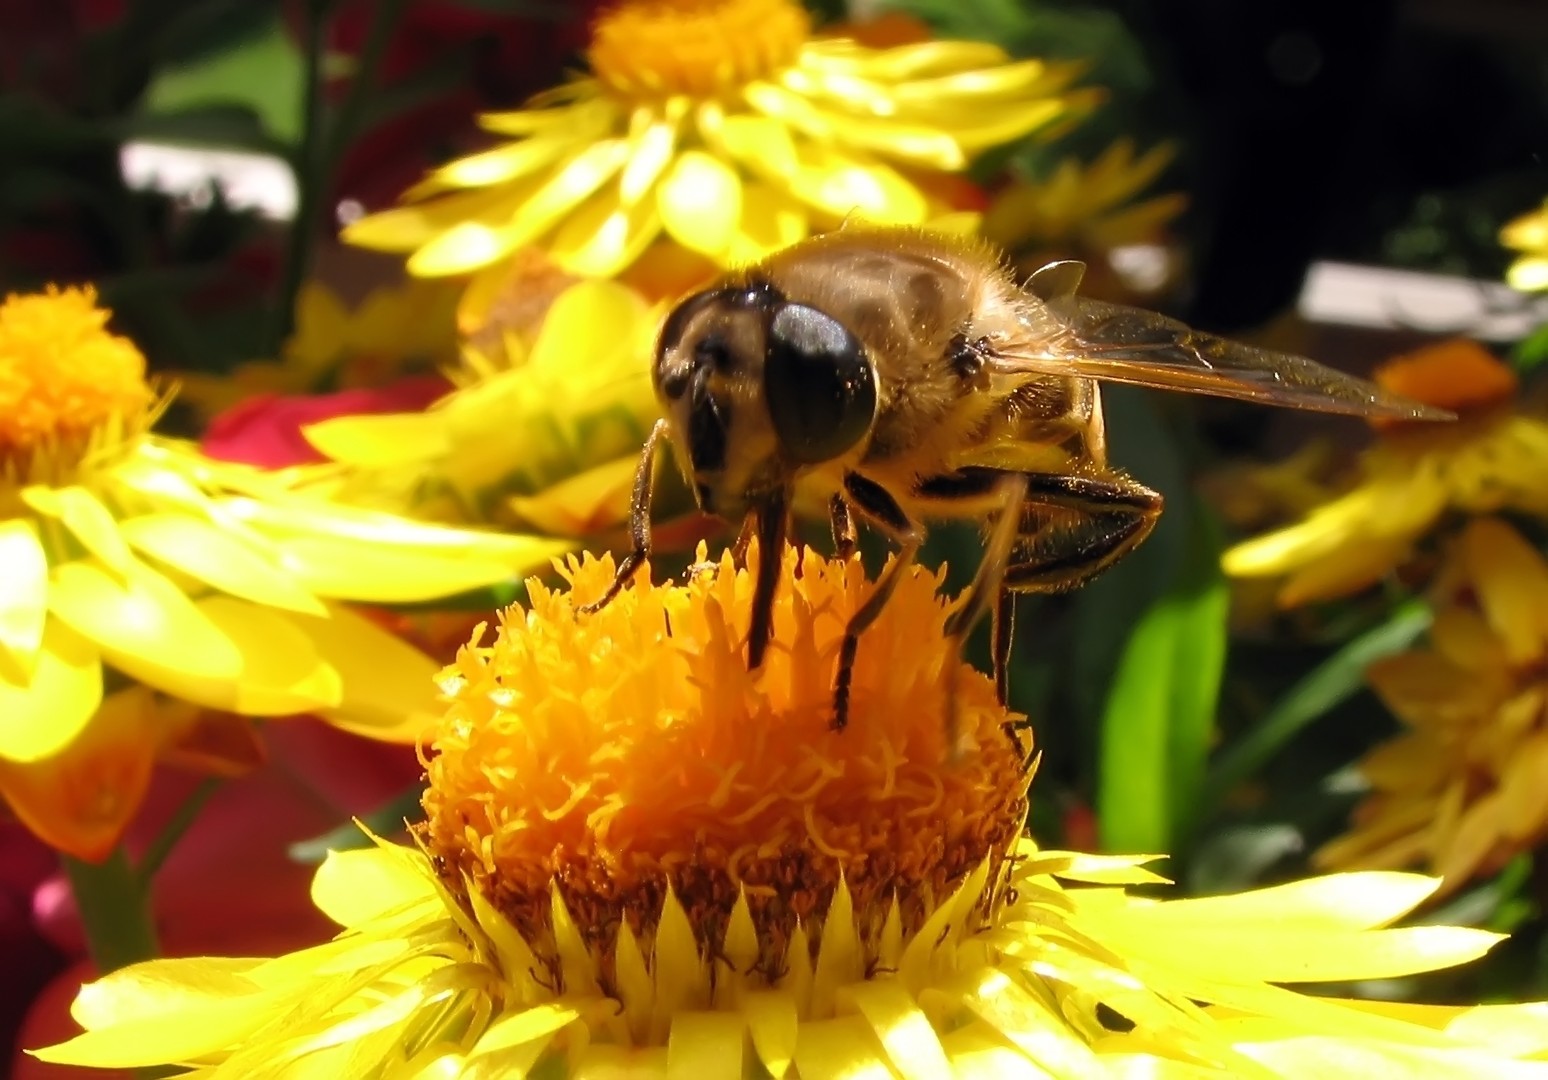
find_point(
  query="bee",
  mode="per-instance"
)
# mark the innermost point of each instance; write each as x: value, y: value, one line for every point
x: 908, y: 377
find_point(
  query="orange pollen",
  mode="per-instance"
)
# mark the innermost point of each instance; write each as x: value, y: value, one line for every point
x: 1459, y: 374
x: 63, y: 377
x: 701, y: 48
x: 620, y: 754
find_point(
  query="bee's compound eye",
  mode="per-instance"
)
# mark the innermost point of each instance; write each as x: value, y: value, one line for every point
x: 820, y: 385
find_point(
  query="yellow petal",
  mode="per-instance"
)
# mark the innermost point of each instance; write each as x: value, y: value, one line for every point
x: 1529, y: 273
x: 605, y: 235
x: 405, y: 228
x: 774, y: 1025
x: 902, y: 1027
x: 166, y: 1010
x: 585, y: 321
x: 762, y: 144
x: 389, y: 686
x: 840, y: 1049
x: 581, y: 505
x: 700, y: 201
x: 43, y: 715
x: 463, y: 248
x: 84, y: 515
x: 705, y: 1044
x: 282, y: 673
x: 353, y: 887
x: 1344, y: 572
x: 873, y: 193
x: 501, y: 164
x: 649, y: 155
x: 1332, y: 902
x: 218, y: 558
x: 1523, y: 794
x: 1512, y: 583
x: 393, y: 575
x: 146, y: 627
x: 81, y: 799
x: 382, y: 440
x: 771, y: 221
x: 23, y: 598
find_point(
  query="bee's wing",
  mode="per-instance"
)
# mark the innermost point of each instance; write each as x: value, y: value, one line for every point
x: 1093, y: 339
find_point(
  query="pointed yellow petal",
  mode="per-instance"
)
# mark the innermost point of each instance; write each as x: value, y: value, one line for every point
x: 677, y: 967
x: 977, y: 1050
x: 873, y: 193
x: 700, y: 200
x: 511, y: 949
x: 42, y: 716
x: 218, y: 558
x: 387, y: 575
x: 23, y: 598
x: 355, y: 886
x: 649, y: 156
x: 145, y: 627
x: 1529, y: 273
x: 579, y: 973
x: 1029, y: 1023
x: 382, y: 440
x: 838, y: 952
x: 87, y: 519
x: 463, y: 248
x: 81, y: 799
x: 760, y: 143
x: 405, y: 228
x: 501, y: 164
x: 901, y: 1026
x: 636, y: 989
x: 703, y: 1044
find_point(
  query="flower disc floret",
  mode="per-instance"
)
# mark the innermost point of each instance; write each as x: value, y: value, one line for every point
x: 63, y: 376
x: 699, y: 47
x: 622, y: 755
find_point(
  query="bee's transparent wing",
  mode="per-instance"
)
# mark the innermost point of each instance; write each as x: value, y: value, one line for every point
x: 1093, y: 339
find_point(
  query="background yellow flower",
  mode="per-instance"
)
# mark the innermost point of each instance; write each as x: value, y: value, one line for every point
x: 725, y: 125
x: 131, y: 557
x: 1528, y: 234
x: 1466, y: 787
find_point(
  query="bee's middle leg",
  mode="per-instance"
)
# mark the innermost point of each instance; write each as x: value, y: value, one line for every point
x: 639, y: 519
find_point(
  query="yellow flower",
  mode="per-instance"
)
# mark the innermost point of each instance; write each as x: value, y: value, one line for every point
x: 726, y: 126
x: 1494, y: 458
x: 1080, y: 210
x: 1463, y: 790
x: 205, y: 581
x: 1528, y: 234
x: 543, y: 434
x: 396, y: 330
x: 642, y: 860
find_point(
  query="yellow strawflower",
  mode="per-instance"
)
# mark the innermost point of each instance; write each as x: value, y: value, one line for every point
x: 132, y: 563
x: 1085, y: 211
x: 726, y: 126
x: 1494, y: 458
x: 543, y: 434
x: 395, y: 330
x: 1528, y: 234
x: 639, y: 859
x: 1465, y: 789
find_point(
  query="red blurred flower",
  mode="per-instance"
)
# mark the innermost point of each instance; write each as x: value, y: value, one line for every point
x: 229, y: 887
x: 266, y: 430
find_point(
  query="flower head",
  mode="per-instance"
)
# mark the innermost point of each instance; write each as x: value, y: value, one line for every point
x: 212, y: 583
x: 725, y: 125
x: 641, y: 859
x: 1086, y: 212
x: 1462, y: 790
x: 541, y: 435
x: 1528, y: 234
x: 1494, y: 458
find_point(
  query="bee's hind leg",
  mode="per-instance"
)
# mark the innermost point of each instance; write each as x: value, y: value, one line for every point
x: 1074, y: 527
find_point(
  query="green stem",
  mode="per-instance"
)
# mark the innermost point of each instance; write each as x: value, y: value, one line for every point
x: 323, y: 144
x: 114, y: 903
x: 311, y: 173
x: 167, y: 839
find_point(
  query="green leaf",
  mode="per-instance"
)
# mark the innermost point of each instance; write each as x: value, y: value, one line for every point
x: 260, y: 72
x: 386, y: 820
x: 1531, y: 352
x: 1160, y: 713
x: 1325, y: 686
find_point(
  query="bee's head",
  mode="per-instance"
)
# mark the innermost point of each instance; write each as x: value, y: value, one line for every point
x: 756, y: 387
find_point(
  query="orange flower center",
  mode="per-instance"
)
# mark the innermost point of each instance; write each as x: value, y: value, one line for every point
x: 64, y: 380
x: 701, y: 48
x: 618, y: 755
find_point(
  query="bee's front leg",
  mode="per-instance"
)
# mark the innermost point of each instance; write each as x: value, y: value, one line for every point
x: 639, y: 519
